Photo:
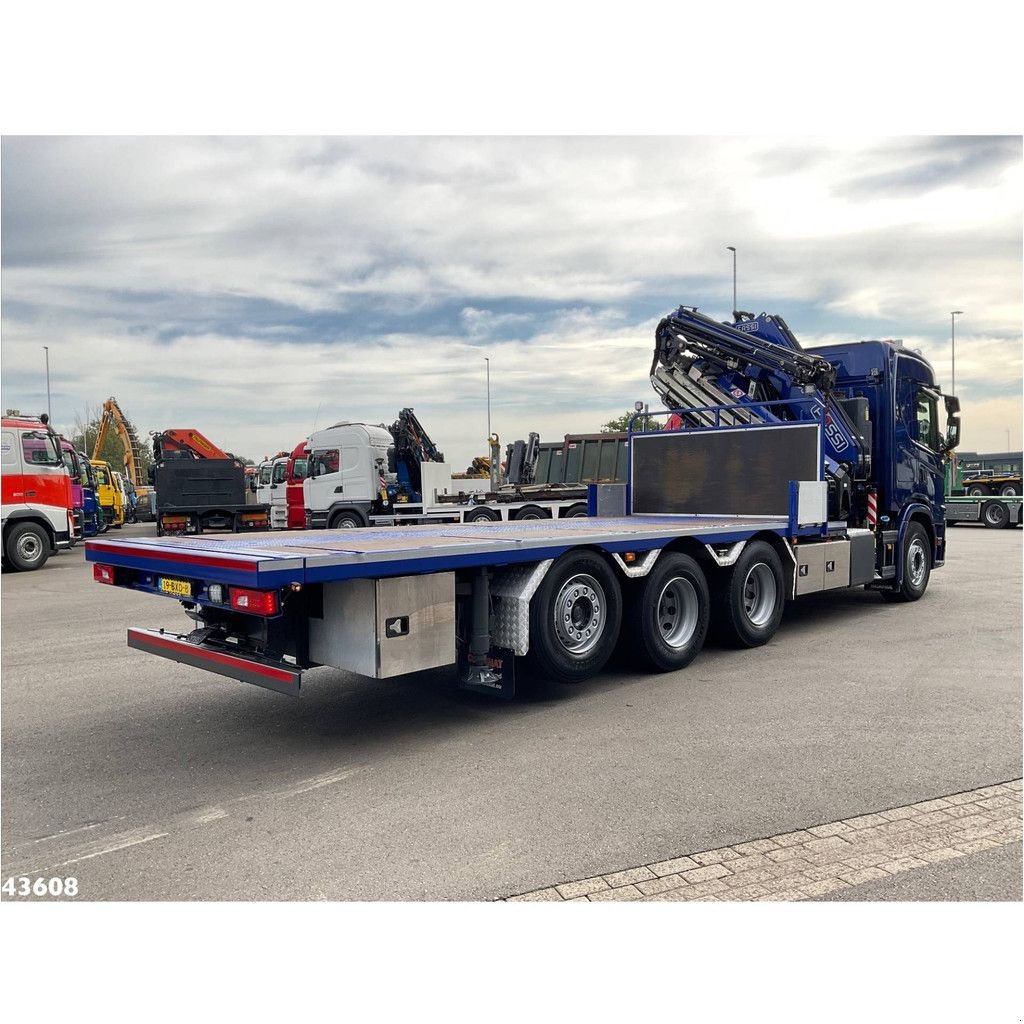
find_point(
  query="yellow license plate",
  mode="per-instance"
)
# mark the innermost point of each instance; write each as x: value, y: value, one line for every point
x: 182, y: 588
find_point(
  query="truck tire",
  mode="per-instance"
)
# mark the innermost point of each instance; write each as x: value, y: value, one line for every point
x: 750, y: 597
x: 1009, y: 490
x: 531, y: 512
x: 26, y: 547
x: 917, y: 565
x: 481, y: 515
x: 667, y: 614
x: 978, y: 490
x: 574, y: 619
x: 346, y: 520
x: 995, y: 515
x: 577, y: 511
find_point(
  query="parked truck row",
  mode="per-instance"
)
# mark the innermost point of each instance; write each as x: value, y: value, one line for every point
x: 784, y: 472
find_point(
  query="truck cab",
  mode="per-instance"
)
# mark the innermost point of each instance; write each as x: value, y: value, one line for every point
x: 908, y: 444
x: 71, y: 464
x: 90, y: 503
x: 347, y: 467
x: 108, y: 495
x: 298, y: 468
x: 278, y: 494
x: 37, y: 515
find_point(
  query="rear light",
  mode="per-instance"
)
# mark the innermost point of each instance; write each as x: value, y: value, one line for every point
x: 104, y: 574
x: 174, y: 520
x: 255, y: 602
x: 215, y: 592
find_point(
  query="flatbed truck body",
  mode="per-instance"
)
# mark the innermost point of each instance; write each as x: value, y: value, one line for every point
x: 825, y: 471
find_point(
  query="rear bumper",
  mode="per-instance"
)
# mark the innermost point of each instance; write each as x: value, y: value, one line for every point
x: 274, y: 675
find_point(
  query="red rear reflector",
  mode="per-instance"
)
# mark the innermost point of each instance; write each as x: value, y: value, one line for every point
x: 256, y: 602
x: 103, y: 573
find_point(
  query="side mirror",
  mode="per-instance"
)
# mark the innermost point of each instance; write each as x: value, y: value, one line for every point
x: 952, y: 438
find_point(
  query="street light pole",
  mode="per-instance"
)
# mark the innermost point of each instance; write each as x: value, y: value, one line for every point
x: 732, y: 249
x: 49, y: 411
x: 488, y: 362
x: 952, y: 344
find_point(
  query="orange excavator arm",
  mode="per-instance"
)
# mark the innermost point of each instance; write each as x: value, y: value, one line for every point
x: 192, y: 441
x: 113, y: 417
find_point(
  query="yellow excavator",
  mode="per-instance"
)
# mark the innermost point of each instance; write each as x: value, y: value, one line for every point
x: 113, y: 418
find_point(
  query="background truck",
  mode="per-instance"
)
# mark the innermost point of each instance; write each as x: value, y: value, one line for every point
x: 360, y: 474
x: 108, y: 496
x: 37, y: 508
x: 200, y: 488
x: 791, y: 472
x: 969, y: 503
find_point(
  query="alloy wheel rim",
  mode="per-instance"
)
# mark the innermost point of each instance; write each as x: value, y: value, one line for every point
x: 677, y: 611
x: 579, y: 614
x: 759, y: 592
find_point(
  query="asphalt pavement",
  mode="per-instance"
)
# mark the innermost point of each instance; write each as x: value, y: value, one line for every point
x: 145, y: 779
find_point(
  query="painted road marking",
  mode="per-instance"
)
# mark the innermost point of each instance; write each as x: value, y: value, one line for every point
x: 812, y: 862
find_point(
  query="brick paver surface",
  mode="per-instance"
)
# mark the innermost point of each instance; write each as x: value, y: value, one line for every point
x: 815, y: 861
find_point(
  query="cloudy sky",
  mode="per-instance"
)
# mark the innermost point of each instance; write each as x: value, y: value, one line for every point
x: 258, y: 287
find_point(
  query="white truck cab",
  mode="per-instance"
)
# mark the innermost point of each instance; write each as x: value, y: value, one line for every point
x: 347, y: 463
x: 277, y: 494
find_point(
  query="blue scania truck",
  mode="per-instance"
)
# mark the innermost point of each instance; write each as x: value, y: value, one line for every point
x: 774, y: 472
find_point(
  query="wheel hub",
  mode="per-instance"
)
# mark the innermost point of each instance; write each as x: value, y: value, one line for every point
x: 677, y: 612
x: 579, y: 613
x: 759, y: 594
x: 29, y: 547
x: 917, y: 562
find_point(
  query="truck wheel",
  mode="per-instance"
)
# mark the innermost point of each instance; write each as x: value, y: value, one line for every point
x: 576, y: 512
x: 481, y: 515
x: 345, y: 521
x: 750, y: 597
x: 1008, y: 490
x: 667, y: 617
x: 995, y: 515
x: 574, y: 618
x: 27, y: 547
x: 917, y: 565
x: 531, y: 512
x: 977, y: 490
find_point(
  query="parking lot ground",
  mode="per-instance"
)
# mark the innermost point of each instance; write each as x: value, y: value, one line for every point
x: 153, y: 781
x: 860, y: 858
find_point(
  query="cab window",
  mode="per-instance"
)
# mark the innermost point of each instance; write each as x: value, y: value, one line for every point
x: 101, y: 476
x: 325, y: 460
x: 927, y: 419
x: 265, y: 472
x: 38, y: 449
x: 279, y: 473
x: 300, y: 469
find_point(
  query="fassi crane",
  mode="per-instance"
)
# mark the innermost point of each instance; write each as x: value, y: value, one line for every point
x: 755, y: 371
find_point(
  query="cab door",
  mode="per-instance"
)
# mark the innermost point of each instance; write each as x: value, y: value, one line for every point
x: 919, y: 468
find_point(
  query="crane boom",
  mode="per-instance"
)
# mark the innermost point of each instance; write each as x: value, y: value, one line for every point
x: 112, y: 417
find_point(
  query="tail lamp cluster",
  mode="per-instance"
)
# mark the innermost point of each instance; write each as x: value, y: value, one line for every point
x: 241, y: 599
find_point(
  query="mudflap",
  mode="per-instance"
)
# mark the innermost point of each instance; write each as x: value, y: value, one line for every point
x: 495, y: 679
x: 195, y: 650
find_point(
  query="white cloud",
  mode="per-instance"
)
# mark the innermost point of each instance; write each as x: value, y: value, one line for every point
x: 552, y: 256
